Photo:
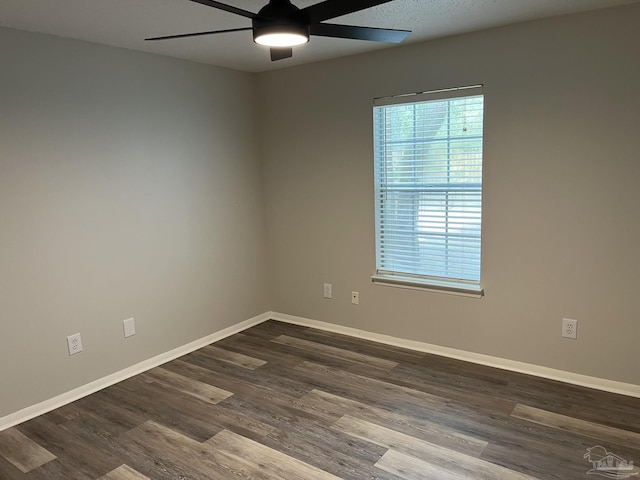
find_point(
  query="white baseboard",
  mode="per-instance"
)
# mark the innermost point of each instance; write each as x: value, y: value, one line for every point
x: 504, y: 364
x: 77, y: 393
x: 530, y: 369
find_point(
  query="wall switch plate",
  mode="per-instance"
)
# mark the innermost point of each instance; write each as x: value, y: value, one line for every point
x: 569, y: 328
x: 129, y: 327
x: 355, y: 298
x: 74, y: 342
x: 327, y: 291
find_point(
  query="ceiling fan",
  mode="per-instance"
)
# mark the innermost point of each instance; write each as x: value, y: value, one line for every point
x: 281, y: 25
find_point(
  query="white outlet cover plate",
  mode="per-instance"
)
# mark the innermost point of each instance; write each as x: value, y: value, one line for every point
x: 129, y: 327
x: 74, y: 342
x: 569, y: 328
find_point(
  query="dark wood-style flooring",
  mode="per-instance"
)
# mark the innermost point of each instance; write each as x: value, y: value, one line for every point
x: 279, y: 401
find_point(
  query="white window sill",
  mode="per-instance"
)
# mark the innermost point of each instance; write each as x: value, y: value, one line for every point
x: 451, y: 288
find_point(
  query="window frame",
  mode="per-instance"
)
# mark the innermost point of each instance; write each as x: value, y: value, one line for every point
x: 450, y: 285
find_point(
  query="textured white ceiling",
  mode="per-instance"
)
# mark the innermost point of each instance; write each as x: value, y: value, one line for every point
x: 125, y: 23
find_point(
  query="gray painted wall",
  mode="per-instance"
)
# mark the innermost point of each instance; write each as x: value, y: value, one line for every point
x: 560, y: 229
x: 129, y: 187
x: 132, y: 185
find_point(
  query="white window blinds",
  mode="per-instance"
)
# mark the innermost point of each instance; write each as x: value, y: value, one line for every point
x: 428, y: 186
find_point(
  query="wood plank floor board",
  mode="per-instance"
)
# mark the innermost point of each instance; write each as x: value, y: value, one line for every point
x: 185, y: 413
x: 8, y: 471
x: 337, y: 454
x: 360, y: 345
x: 72, y: 453
x: 572, y: 400
x: 301, y: 408
x: 64, y: 413
x: 124, y: 472
x: 578, y: 426
x: 504, y: 429
x: 157, y: 452
x: 22, y: 452
x: 537, y: 450
x: 96, y: 433
x: 488, y: 389
x: 268, y: 376
x: 280, y: 416
x: 550, y: 464
x: 361, y: 387
x: 200, y: 390
x: 95, y: 426
x: 237, y: 359
x: 625, y: 418
x: 476, y: 393
x: 311, y: 440
x: 443, y: 465
x: 115, y: 416
x: 418, y: 428
x: 548, y: 395
x: 267, y: 460
x: 281, y: 401
x: 409, y: 468
x: 464, y: 466
x: 388, y: 438
x: 99, y: 440
x: 226, y: 455
x: 579, y: 402
x: 515, y: 387
x: 458, y: 373
x: 224, y: 417
x: 336, y: 352
x: 289, y: 356
x: 474, y: 396
x: 257, y: 394
x: 482, y: 384
x: 560, y: 457
x: 59, y: 470
x: 272, y: 328
x: 340, y: 361
x: 248, y: 344
x: 204, y: 460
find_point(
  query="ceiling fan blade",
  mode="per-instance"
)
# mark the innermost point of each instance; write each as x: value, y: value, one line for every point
x: 226, y: 8
x: 280, y: 53
x: 336, y: 8
x: 358, y: 33
x: 198, y: 34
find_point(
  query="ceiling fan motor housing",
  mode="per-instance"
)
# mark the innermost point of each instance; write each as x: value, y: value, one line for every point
x: 278, y: 16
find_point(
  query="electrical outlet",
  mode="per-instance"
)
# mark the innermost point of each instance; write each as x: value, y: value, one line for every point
x: 569, y: 328
x: 327, y: 291
x: 74, y: 342
x: 355, y: 298
x: 129, y: 326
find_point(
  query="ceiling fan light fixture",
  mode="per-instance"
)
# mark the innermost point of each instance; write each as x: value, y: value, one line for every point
x: 281, y: 36
x: 281, y: 25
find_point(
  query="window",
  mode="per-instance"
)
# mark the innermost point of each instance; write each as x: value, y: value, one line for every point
x: 428, y: 189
